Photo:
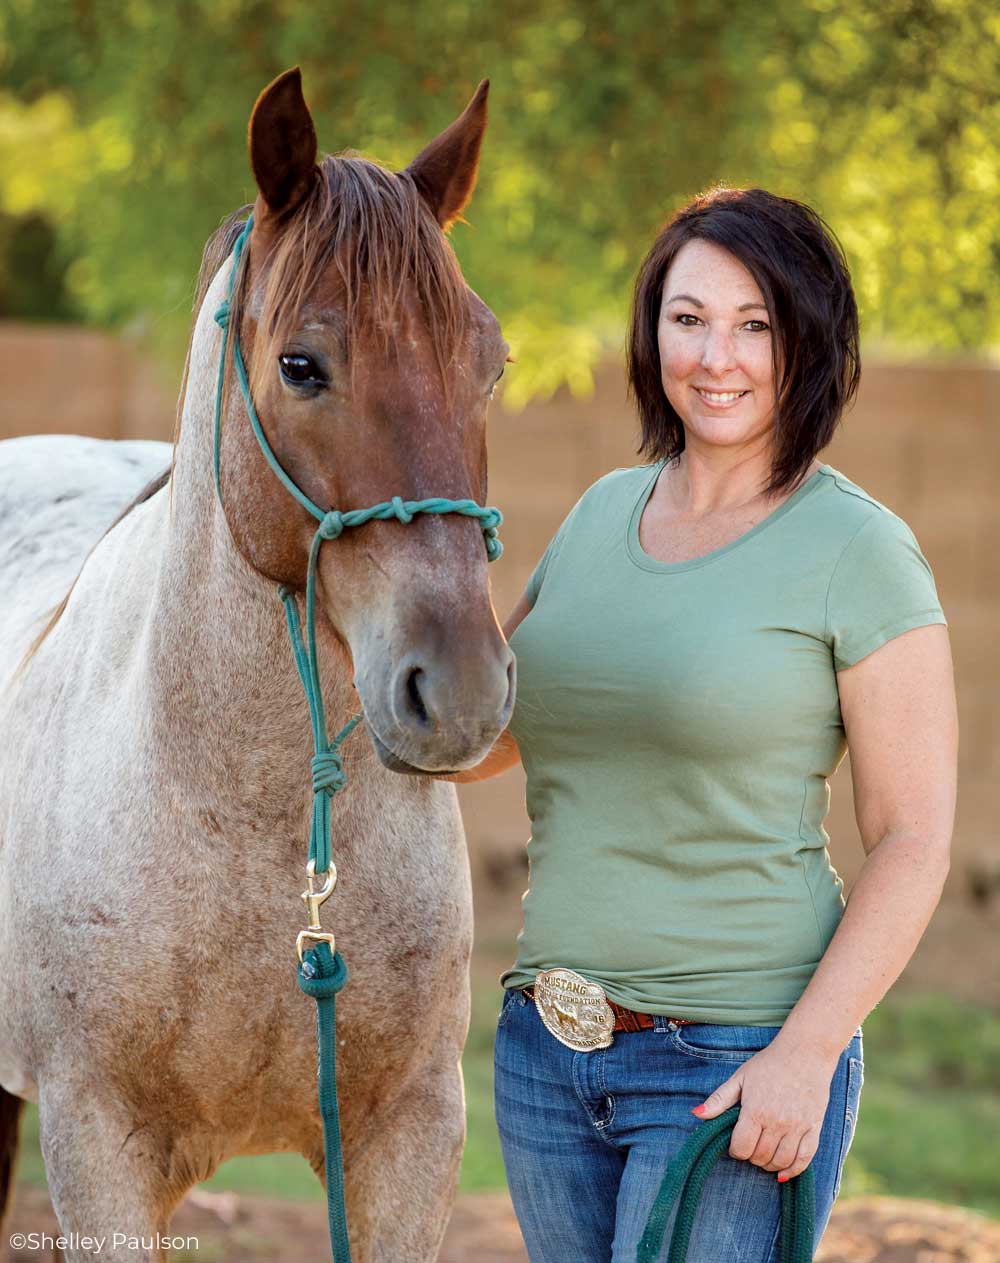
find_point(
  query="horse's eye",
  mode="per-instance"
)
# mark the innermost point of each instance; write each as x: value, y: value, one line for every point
x: 300, y: 370
x: 496, y: 383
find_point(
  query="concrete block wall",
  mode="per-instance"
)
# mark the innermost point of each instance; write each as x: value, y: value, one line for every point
x: 58, y: 379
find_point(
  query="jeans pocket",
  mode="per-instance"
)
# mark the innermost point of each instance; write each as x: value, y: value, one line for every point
x: 709, y: 1041
x: 855, y: 1079
x: 510, y: 997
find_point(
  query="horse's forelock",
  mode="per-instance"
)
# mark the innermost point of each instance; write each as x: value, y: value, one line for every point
x: 374, y: 228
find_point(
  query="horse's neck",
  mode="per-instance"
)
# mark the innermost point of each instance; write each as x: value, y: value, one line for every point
x: 229, y: 703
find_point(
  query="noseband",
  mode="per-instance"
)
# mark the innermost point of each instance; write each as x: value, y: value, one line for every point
x: 322, y: 971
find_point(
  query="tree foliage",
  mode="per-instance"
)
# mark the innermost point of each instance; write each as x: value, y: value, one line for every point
x: 123, y: 126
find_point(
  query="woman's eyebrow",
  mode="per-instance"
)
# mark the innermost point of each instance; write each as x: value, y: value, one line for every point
x: 690, y: 298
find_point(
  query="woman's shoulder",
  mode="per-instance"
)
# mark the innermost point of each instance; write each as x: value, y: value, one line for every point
x: 850, y: 510
x: 880, y: 583
x: 625, y: 475
x: 619, y: 483
x: 608, y: 495
x: 842, y: 486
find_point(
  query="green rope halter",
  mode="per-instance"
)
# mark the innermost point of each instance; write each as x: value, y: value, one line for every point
x: 322, y: 972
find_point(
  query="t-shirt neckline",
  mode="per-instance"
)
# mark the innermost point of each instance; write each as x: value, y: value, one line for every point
x: 638, y: 555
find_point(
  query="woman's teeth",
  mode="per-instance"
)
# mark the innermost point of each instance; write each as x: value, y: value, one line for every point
x: 721, y: 396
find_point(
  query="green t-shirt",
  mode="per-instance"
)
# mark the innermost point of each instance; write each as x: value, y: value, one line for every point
x: 678, y: 722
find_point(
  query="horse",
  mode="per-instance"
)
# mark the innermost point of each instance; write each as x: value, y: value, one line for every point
x: 154, y: 794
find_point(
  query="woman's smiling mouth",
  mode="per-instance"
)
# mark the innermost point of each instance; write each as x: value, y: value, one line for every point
x: 719, y: 398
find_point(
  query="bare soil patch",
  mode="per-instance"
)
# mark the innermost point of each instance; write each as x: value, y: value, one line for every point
x: 235, y: 1229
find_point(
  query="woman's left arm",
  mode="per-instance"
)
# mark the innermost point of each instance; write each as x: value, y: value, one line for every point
x: 901, y: 721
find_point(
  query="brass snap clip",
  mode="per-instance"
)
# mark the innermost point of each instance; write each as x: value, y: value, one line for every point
x: 314, y: 900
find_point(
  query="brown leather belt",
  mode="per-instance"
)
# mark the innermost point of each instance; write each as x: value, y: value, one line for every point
x: 628, y: 1019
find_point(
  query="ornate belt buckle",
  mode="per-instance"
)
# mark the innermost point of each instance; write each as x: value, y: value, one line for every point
x: 574, y: 1010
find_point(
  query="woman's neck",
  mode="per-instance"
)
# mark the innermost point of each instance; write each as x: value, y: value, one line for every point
x: 706, y: 483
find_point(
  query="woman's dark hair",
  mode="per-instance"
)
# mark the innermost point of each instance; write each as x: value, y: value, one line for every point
x: 802, y: 274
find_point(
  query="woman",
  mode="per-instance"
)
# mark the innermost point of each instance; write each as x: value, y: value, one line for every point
x: 703, y: 638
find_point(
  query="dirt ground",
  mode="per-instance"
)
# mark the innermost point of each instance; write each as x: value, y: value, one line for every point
x: 233, y: 1229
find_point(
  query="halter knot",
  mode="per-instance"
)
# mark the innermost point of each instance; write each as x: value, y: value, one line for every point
x: 321, y: 975
x: 400, y: 510
x: 494, y: 548
x: 489, y: 520
x: 328, y: 773
x: 332, y: 525
x: 222, y: 315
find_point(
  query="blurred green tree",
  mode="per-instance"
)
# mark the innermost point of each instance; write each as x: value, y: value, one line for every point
x: 123, y: 126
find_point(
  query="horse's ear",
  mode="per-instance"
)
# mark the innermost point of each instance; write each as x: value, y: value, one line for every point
x: 445, y: 172
x: 282, y: 143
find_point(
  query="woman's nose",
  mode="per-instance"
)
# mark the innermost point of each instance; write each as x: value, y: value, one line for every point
x: 717, y: 353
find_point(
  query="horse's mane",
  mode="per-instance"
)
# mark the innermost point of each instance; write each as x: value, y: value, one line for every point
x: 376, y: 229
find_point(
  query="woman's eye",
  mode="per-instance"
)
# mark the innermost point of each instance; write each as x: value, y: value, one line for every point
x: 758, y: 326
x: 300, y: 370
x: 685, y: 318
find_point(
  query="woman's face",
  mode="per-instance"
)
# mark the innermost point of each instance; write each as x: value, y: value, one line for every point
x: 714, y: 335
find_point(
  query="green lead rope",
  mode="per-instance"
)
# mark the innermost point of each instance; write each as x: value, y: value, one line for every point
x: 322, y: 973
x: 686, y: 1176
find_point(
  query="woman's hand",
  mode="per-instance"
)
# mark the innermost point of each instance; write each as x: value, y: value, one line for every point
x: 783, y: 1095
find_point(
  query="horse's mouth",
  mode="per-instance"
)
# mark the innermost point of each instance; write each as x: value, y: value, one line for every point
x: 440, y: 763
x: 392, y: 761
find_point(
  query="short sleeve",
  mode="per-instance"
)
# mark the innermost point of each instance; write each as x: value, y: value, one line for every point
x: 534, y: 583
x: 881, y: 587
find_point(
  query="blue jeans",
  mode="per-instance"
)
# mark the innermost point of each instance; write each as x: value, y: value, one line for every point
x: 586, y: 1137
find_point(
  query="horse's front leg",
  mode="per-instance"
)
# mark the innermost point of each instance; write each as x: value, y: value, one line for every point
x: 402, y: 1174
x: 107, y: 1175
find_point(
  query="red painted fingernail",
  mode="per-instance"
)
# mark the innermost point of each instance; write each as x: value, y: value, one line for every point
x: 782, y: 1178
x: 697, y: 1110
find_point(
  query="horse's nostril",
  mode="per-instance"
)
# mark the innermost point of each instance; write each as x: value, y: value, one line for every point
x: 413, y: 695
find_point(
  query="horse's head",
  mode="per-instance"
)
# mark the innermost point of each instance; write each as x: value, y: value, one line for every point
x: 371, y: 365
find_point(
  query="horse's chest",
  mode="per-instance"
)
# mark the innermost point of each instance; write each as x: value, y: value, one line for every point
x: 406, y: 944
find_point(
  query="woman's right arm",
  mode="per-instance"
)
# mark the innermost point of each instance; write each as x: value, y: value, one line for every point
x: 504, y: 752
